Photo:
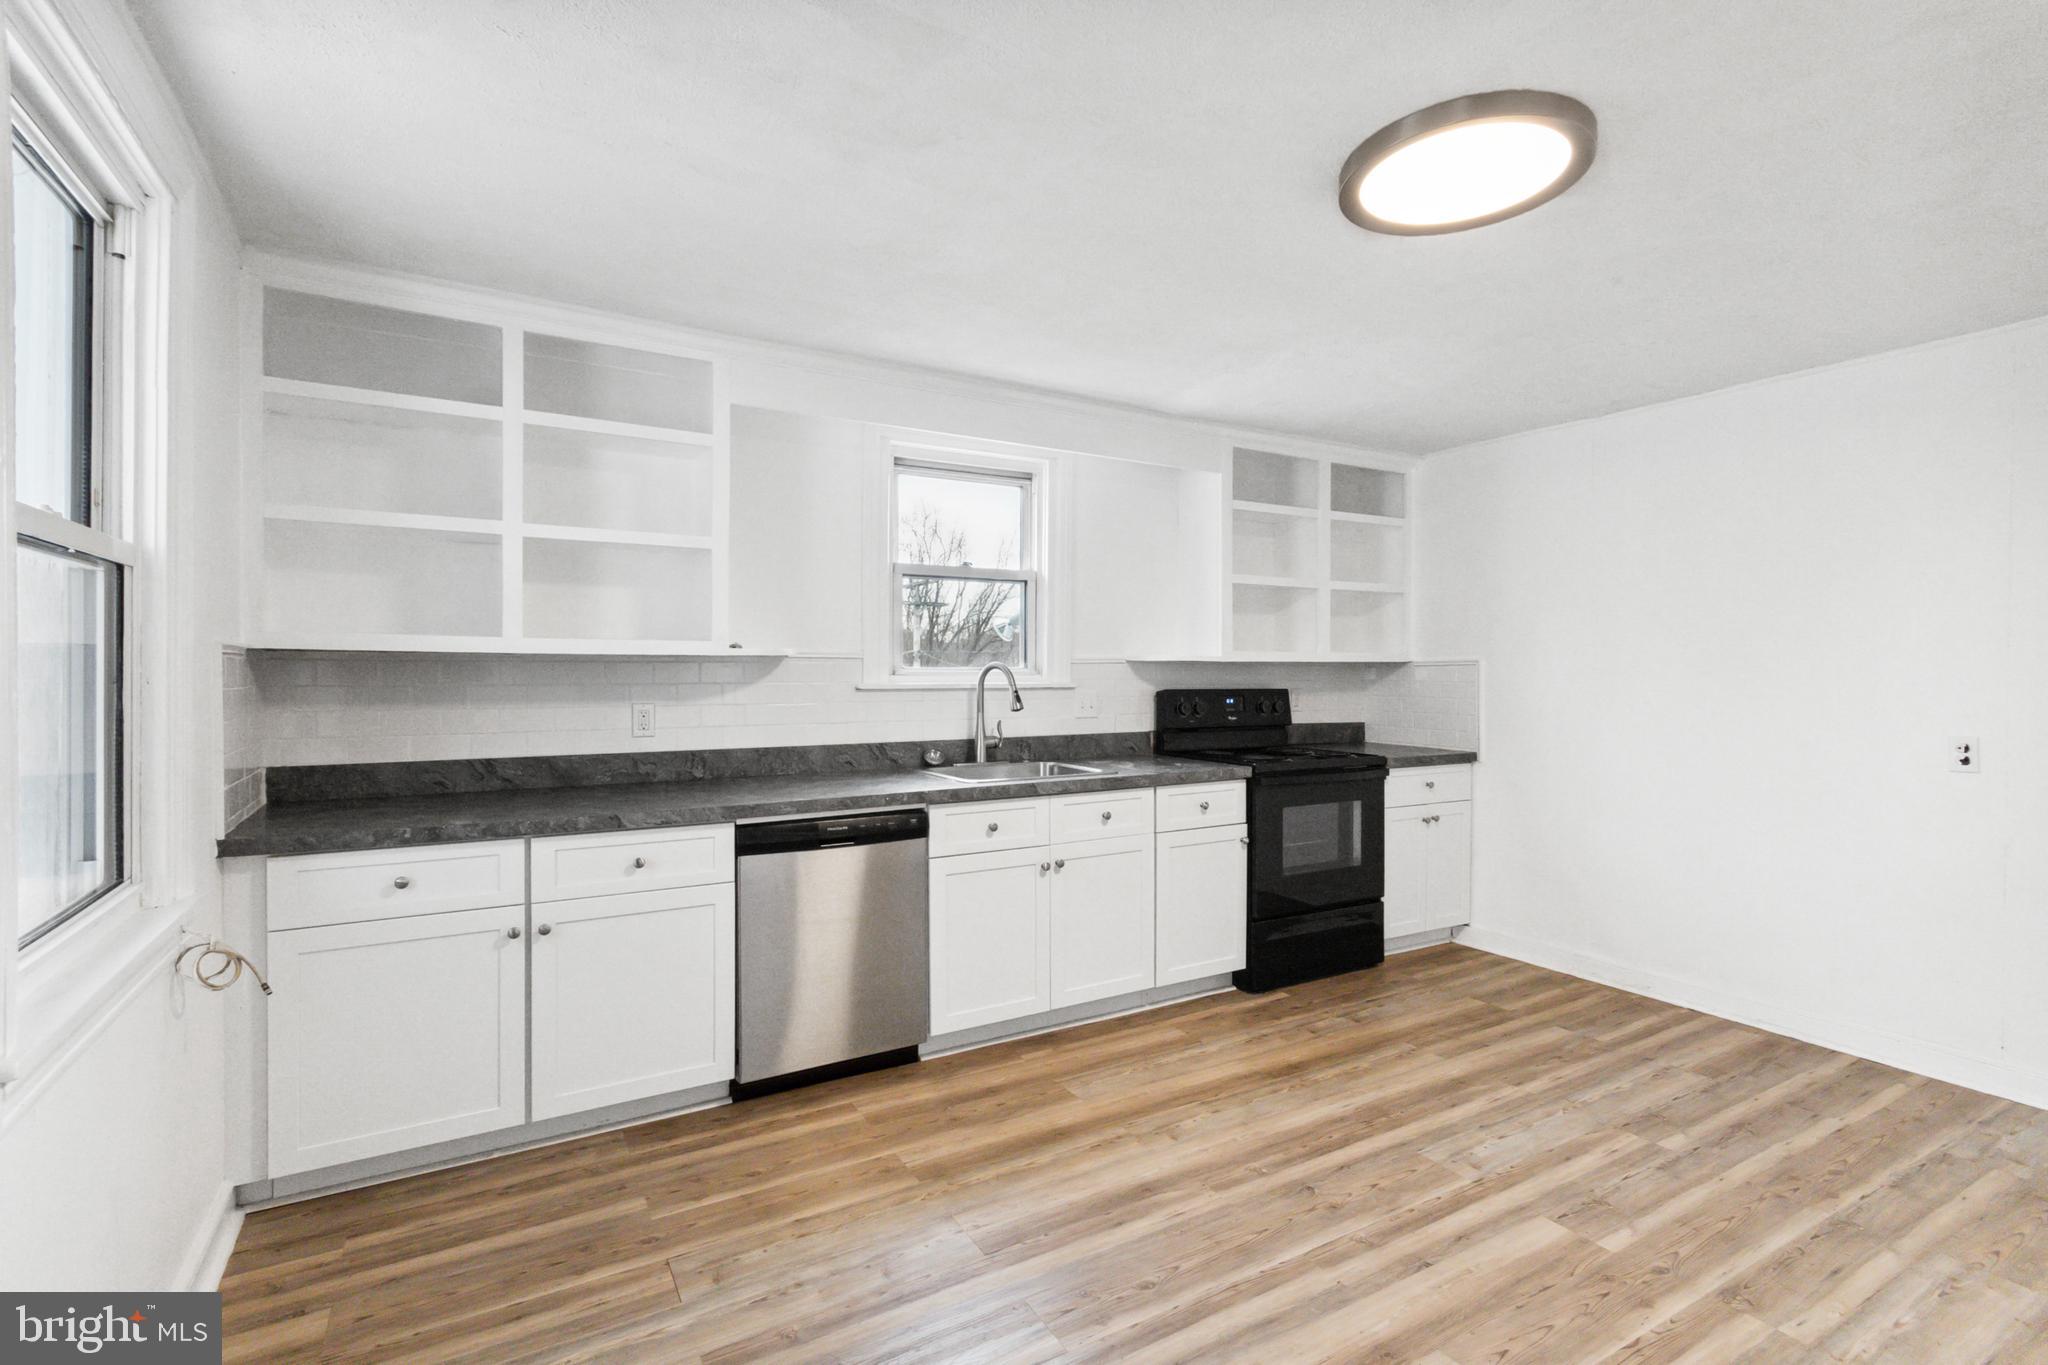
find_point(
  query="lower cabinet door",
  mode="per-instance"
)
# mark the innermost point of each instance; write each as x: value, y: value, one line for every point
x: 632, y: 996
x: 1202, y: 903
x: 1450, y: 865
x: 1407, y: 871
x: 395, y: 1033
x: 1101, y: 918
x: 989, y: 945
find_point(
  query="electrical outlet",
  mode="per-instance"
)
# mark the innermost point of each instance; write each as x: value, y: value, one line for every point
x: 1962, y: 754
x: 643, y: 720
x: 1087, y: 704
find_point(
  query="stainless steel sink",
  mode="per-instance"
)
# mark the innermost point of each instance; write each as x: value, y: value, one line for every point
x: 979, y: 773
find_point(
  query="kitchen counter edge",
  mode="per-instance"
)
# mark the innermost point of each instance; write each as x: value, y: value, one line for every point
x: 405, y: 822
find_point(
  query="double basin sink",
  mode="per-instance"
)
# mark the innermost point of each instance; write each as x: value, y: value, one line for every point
x: 987, y: 774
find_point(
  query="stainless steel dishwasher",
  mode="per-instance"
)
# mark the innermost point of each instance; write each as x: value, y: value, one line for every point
x: 833, y: 948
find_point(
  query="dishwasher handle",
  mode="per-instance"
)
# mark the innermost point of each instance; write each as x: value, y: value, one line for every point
x: 830, y: 831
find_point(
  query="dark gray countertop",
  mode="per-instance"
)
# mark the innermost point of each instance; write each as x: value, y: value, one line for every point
x: 398, y: 822
x: 1413, y: 755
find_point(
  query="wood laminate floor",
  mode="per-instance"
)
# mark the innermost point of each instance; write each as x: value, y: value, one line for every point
x: 1454, y: 1158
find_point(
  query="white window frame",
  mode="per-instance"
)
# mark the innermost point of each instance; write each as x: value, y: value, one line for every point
x: 106, y: 536
x: 1042, y: 557
x: 57, y: 989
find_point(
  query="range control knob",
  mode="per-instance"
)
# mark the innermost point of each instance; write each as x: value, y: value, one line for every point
x: 1199, y: 708
x: 1183, y: 707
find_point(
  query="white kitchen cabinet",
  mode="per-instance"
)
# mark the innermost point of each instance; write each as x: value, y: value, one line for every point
x: 1407, y: 871
x: 990, y: 937
x: 632, y: 995
x: 1450, y: 865
x: 1102, y: 924
x: 1200, y: 899
x: 387, y: 1034
x: 1428, y: 849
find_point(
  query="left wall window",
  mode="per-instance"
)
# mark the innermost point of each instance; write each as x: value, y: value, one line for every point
x: 72, y: 559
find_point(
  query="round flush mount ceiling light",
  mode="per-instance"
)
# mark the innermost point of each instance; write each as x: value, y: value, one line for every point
x: 1467, y: 162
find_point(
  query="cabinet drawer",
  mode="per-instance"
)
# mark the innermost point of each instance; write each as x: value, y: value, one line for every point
x: 639, y: 860
x: 1101, y: 815
x: 348, y: 888
x: 1419, y: 786
x: 988, y: 826
x: 1198, y: 807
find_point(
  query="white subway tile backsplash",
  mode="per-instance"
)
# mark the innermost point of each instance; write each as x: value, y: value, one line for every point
x: 295, y: 709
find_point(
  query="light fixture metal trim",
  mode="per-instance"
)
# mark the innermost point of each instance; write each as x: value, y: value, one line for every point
x: 1566, y: 115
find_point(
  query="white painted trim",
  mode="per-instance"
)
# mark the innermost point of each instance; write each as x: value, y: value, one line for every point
x: 213, y: 1242
x: 74, y: 999
x: 1917, y: 1055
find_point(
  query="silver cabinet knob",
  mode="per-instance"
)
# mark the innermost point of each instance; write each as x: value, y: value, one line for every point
x: 1045, y: 867
x: 1105, y: 815
x: 1246, y: 840
x: 1430, y: 785
x: 993, y: 827
x: 545, y: 929
x: 639, y: 863
x: 401, y: 882
x: 1058, y: 863
x: 513, y: 932
x: 1205, y: 808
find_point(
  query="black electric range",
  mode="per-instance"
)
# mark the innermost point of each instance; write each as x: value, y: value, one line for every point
x: 1315, y: 815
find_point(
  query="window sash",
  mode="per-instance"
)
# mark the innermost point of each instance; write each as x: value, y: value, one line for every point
x: 109, y: 798
x: 87, y: 327
x: 1027, y: 574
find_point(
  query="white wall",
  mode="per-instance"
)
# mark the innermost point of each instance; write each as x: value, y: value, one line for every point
x: 1727, y: 642
x: 112, y: 1166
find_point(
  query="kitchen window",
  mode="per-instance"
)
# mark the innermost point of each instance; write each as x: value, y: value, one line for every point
x: 969, y: 535
x: 72, y: 558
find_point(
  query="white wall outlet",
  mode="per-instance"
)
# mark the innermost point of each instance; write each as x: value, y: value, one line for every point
x: 643, y: 720
x: 1086, y: 704
x: 1962, y: 754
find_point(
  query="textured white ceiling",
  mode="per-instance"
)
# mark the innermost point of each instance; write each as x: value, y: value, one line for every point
x: 1134, y: 199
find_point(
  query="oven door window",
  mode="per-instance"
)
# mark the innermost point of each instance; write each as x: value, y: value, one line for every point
x: 1324, y: 837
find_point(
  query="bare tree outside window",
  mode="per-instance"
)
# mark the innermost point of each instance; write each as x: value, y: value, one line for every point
x: 964, y: 581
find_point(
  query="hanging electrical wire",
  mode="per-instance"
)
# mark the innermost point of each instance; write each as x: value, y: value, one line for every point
x: 218, y: 966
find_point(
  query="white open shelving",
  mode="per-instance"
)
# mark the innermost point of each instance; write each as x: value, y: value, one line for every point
x: 458, y: 476
x: 1318, y: 559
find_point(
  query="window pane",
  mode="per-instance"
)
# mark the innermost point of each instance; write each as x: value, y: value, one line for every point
x: 962, y: 622
x: 961, y: 522
x: 52, y: 311
x: 67, y: 731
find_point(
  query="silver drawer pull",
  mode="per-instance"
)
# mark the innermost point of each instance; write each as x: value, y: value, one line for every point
x: 545, y: 929
x: 1430, y: 785
x: 1058, y: 863
x: 1246, y: 840
x: 1045, y: 867
x: 1105, y: 815
x: 993, y: 827
x: 1205, y: 808
x: 639, y: 863
x: 513, y: 932
x: 401, y: 882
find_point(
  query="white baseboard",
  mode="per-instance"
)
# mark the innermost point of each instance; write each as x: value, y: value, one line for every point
x: 206, y: 1259
x: 1858, y: 1040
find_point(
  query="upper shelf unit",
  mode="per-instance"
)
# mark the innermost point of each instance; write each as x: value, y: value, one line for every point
x: 458, y: 477
x: 1318, y: 559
